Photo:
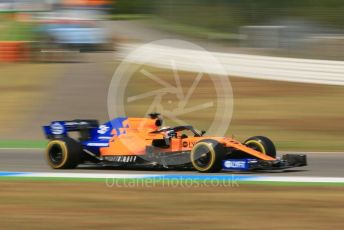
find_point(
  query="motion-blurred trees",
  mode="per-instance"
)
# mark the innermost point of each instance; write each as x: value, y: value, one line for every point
x: 230, y: 14
x: 133, y: 6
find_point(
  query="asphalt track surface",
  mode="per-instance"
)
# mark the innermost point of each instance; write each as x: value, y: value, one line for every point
x: 32, y: 160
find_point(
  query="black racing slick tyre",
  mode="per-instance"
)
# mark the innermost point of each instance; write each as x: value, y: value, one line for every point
x: 63, y: 153
x: 262, y: 144
x: 207, y: 156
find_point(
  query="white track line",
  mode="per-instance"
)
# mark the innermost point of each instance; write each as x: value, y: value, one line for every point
x: 181, y: 177
x: 301, y: 179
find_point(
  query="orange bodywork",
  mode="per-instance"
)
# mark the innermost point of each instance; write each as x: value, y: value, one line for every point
x: 139, y: 134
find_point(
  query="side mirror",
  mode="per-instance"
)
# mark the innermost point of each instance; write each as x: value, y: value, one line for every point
x: 203, y: 132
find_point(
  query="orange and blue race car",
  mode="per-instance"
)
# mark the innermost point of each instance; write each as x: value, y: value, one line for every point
x: 133, y: 142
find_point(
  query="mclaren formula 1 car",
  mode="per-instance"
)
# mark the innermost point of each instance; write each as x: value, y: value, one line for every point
x: 127, y: 141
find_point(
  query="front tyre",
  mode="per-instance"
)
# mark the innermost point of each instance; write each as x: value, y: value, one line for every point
x: 262, y: 144
x: 207, y: 156
x: 63, y: 153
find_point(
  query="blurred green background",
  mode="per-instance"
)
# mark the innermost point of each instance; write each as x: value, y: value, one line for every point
x: 228, y: 15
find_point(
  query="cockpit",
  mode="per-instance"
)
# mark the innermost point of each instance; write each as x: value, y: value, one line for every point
x: 180, y: 132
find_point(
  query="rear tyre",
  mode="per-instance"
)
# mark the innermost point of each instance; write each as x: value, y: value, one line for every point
x: 262, y: 144
x: 63, y: 153
x: 207, y: 156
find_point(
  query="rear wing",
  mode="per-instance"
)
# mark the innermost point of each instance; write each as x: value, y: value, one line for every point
x: 60, y: 129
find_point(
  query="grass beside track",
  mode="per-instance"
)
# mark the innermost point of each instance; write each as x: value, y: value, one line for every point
x: 22, y: 144
x: 56, y: 205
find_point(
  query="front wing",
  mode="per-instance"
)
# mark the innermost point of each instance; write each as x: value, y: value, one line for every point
x: 287, y: 161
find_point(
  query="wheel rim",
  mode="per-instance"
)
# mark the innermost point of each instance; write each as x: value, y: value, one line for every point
x: 256, y: 146
x: 202, y: 156
x: 56, y: 155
